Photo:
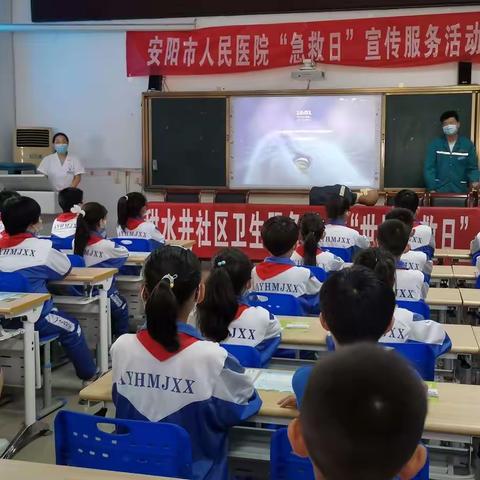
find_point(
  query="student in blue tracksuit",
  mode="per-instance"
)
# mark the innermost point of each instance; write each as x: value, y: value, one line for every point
x: 91, y: 244
x: 362, y: 417
x: 224, y: 315
x: 169, y: 373
x: 342, y: 241
x: 64, y: 226
x: 278, y: 273
x: 423, y: 237
x: 36, y: 259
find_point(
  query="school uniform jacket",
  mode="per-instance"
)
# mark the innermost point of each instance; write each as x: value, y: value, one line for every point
x: 138, y: 228
x: 255, y: 327
x: 36, y: 260
x: 423, y: 239
x: 63, y: 230
x: 416, y: 260
x: 475, y: 251
x: 411, y: 290
x: 325, y: 260
x: 343, y: 241
x: 200, y: 388
x: 282, y: 276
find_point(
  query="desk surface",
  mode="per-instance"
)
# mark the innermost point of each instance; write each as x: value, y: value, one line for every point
x: 89, y: 275
x: 13, y: 470
x: 476, y: 332
x: 470, y: 296
x: 444, y: 296
x: 442, y: 271
x: 455, y: 411
x: 460, y: 254
x: 182, y: 243
x: 19, y: 303
x: 464, y: 272
x: 463, y: 338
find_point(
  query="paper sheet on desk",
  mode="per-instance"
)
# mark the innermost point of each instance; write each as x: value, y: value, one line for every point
x: 274, y: 381
x: 10, y: 297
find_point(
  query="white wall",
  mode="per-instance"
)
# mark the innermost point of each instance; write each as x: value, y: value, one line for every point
x: 7, y: 85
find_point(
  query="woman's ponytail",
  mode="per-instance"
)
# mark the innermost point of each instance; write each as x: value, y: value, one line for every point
x: 87, y: 222
x: 312, y: 228
x: 82, y: 234
x: 130, y: 206
x: 122, y: 212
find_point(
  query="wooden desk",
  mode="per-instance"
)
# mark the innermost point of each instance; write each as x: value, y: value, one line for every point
x: 444, y: 297
x: 313, y: 338
x: 471, y: 297
x: 452, y: 253
x: 464, y: 272
x: 476, y: 332
x: 442, y: 272
x: 88, y: 276
x: 188, y: 244
x: 137, y: 259
x: 15, y: 470
x: 463, y: 339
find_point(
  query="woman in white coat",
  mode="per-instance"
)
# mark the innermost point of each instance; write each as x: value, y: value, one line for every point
x: 63, y: 170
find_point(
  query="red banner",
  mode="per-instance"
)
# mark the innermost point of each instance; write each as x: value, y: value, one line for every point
x: 215, y: 226
x: 369, y: 42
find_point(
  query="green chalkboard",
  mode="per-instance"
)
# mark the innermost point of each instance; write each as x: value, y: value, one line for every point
x: 188, y: 138
x: 412, y: 122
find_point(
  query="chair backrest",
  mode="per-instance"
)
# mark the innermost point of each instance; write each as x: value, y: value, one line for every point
x: 346, y: 254
x: 276, y: 303
x: 134, y: 244
x: 76, y: 261
x: 419, y: 307
x: 14, y: 282
x: 150, y: 448
x: 249, y: 357
x: 319, y: 273
x: 284, y: 464
x: 420, y: 355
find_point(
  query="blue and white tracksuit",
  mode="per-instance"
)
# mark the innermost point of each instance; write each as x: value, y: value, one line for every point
x: 200, y: 388
x: 325, y: 260
x: 39, y: 263
x: 137, y: 228
x: 423, y: 239
x: 63, y: 231
x: 411, y: 290
x: 281, y: 275
x: 343, y: 241
x: 103, y: 253
x: 475, y: 252
x: 418, y: 260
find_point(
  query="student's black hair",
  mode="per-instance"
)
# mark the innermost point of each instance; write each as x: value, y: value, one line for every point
x: 167, y: 295
x: 279, y: 235
x: 393, y: 236
x: 449, y: 114
x: 381, y: 262
x: 60, y: 134
x: 18, y: 213
x: 337, y: 206
x: 407, y: 199
x: 231, y: 272
x: 68, y: 197
x: 7, y: 194
x: 86, y: 224
x: 356, y: 305
x: 404, y: 215
x: 363, y: 413
x: 312, y: 228
x: 130, y: 206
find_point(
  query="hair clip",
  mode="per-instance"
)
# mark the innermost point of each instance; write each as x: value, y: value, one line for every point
x: 221, y: 263
x: 77, y: 210
x: 171, y: 279
x: 126, y: 197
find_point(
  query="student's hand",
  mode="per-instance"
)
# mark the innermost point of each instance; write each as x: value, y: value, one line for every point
x: 288, y: 402
x: 475, y: 185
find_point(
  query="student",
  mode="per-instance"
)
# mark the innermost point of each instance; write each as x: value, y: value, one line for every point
x: 224, y: 314
x: 413, y: 259
x: 407, y: 326
x: 64, y: 226
x: 339, y: 239
x: 367, y: 428
x: 4, y: 196
x: 312, y: 230
x: 410, y: 284
x: 278, y: 273
x: 131, y: 224
x: 97, y: 251
x: 168, y: 373
x: 423, y: 238
x: 39, y: 262
x: 475, y: 253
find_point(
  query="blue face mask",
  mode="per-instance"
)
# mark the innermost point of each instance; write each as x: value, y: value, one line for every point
x: 61, y: 148
x: 450, y: 129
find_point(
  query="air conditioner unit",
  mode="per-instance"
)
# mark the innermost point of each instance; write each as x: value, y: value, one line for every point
x: 32, y: 144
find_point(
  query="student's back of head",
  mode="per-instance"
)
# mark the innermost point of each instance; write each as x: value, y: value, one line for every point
x: 279, y: 235
x: 171, y: 286
x: 69, y: 197
x: 404, y: 215
x: 228, y: 280
x: 92, y: 221
x: 356, y: 305
x: 312, y: 229
x: 407, y: 199
x: 6, y: 195
x: 132, y: 205
x: 20, y: 213
x: 381, y: 262
x: 362, y: 416
x: 393, y: 236
x: 337, y: 207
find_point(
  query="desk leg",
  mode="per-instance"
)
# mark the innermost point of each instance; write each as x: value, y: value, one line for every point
x: 29, y: 373
x: 104, y: 329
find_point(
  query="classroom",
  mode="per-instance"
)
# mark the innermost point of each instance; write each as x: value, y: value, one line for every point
x: 240, y: 240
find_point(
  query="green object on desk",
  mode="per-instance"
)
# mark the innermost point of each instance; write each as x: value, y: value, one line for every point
x: 297, y: 324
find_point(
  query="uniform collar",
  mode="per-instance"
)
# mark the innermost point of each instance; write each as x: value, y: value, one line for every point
x: 94, y: 238
x: 133, y: 223
x: 189, y: 330
x: 67, y: 216
x: 280, y: 260
x: 7, y: 241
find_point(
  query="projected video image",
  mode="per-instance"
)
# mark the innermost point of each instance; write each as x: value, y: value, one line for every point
x: 300, y: 142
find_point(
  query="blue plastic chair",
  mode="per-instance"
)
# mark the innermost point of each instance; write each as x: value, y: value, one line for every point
x: 419, y: 307
x: 276, y: 303
x: 249, y: 357
x: 134, y: 244
x: 319, y: 273
x: 149, y: 448
x: 76, y: 261
x: 420, y: 355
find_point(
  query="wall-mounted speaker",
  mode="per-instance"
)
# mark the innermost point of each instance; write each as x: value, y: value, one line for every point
x: 465, y: 73
x: 155, y: 82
